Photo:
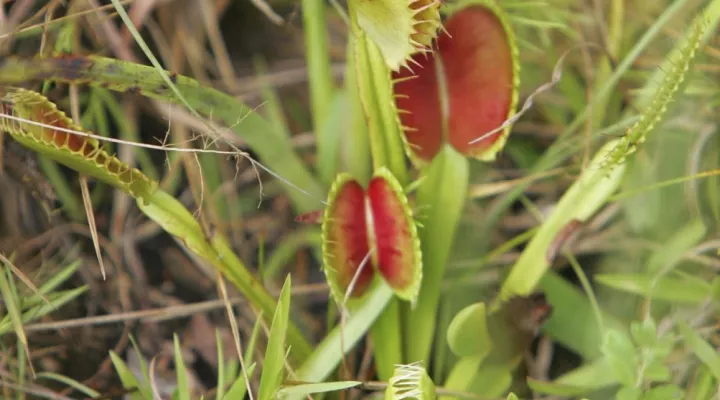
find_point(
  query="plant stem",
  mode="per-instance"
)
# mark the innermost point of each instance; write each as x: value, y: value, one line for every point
x: 443, y: 194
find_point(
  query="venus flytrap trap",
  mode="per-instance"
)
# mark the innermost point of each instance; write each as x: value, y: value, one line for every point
x: 368, y: 230
x: 384, y: 35
x: 399, y: 28
x: 410, y: 381
x: 123, y: 76
x: 73, y: 150
x: 466, y: 87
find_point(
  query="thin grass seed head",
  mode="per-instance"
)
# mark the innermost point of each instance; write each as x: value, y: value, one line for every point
x: 400, y: 28
x: 375, y: 226
x: 467, y: 86
x: 664, y: 94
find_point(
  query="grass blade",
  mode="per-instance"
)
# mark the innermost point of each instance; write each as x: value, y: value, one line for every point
x: 580, y: 202
x: 702, y: 349
x: 128, y: 380
x: 274, y: 363
x: 239, y: 388
x: 183, y: 389
x: 13, y: 310
x: 70, y: 382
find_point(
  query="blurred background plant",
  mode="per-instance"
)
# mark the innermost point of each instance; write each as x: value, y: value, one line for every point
x: 605, y: 198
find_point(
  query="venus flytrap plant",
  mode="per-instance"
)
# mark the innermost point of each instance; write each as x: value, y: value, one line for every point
x: 368, y: 230
x: 35, y: 122
x: 384, y: 35
x: 462, y: 91
x: 399, y: 28
x: 410, y: 381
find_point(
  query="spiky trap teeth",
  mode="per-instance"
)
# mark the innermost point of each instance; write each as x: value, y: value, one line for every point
x: 400, y: 28
x: 370, y: 230
x: 473, y: 93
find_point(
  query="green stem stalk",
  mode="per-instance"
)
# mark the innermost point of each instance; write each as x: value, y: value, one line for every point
x: 318, y: 61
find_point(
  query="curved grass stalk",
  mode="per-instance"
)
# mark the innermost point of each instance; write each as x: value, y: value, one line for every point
x: 566, y: 144
x: 600, y: 180
x: 35, y: 122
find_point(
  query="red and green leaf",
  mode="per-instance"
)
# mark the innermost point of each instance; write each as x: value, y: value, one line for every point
x: 373, y: 229
x: 345, y: 239
x: 478, y: 83
x: 397, y: 256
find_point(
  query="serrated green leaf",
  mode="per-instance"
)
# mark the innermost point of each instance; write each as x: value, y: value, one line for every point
x: 410, y: 381
x: 81, y: 153
x: 644, y: 333
x: 621, y: 356
x: 118, y: 75
x: 397, y: 27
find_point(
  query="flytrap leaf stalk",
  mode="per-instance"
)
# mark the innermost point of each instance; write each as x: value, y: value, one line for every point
x: 34, y: 121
